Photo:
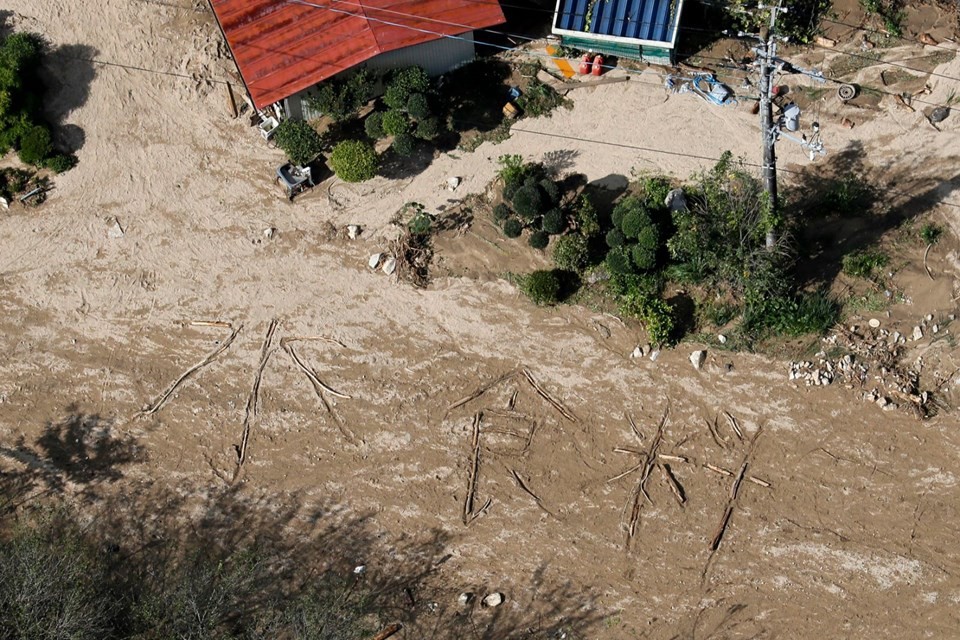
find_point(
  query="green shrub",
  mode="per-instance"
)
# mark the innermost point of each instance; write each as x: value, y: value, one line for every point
x: 930, y: 233
x: 512, y: 228
x: 61, y: 163
x: 342, y: 99
x: 299, y: 141
x: 554, y: 221
x: 527, y: 202
x: 618, y: 261
x: 849, y: 195
x: 395, y: 123
x: 542, y: 287
x: 615, y: 238
x: 588, y: 221
x: 655, y: 190
x: 35, y: 145
x: 539, y: 239
x: 373, y: 125
x: 630, y: 216
x: 403, y: 84
x: 539, y: 99
x: 354, y: 161
x: 428, y: 129
x: 418, y: 106
x: 642, y: 257
x: 655, y: 314
x: 863, y: 264
x: 511, y: 170
x: 420, y: 223
x: 571, y: 252
x: 501, y: 212
x: 403, y: 144
x: 550, y: 190
x: 718, y: 313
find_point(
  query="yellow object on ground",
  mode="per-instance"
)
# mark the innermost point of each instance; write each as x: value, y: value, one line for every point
x: 562, y: 63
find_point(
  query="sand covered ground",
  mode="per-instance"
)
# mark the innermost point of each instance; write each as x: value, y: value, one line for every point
x: 854, y: 538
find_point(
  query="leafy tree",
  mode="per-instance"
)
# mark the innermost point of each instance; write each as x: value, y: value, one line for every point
x: 618, y: 261
x: 299, y: 141
x: 571, y: 253
x: 342, y: 99
x: 354, y: 161
x: 644, y: 252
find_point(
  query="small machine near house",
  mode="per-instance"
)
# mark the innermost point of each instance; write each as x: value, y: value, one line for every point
x: 294, y: 179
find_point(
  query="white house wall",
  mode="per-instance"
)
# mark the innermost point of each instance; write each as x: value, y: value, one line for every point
x: 436, y: 57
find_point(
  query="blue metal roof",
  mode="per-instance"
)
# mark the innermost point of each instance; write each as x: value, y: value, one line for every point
x: 654, y: 20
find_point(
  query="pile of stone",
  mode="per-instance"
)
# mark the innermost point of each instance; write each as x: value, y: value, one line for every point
x: 826, y: 370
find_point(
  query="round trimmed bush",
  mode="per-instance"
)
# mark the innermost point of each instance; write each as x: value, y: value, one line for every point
x: 617, y: 216
x: 615, y: 238
x: 571, y: 252
x: 554, y: 222
x: 373, y: 125
x: 644, y: 253
x: 643, y: 258
x: 539, y: 240
x: 354, y: 161
x: 527, y: 202
x: 403, y: 144
x: 395, y: 123
x: 618, y: 261
x: 550, y: 190
x: 512, y: 228
x: 428, y: 129
x: 542, y: 287
x: 403, y: 84
x: 418, y: 106
x: 634, y: 222
x: 501, y: 212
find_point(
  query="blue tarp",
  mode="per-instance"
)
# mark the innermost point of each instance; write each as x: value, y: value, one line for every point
x: 637, y: 19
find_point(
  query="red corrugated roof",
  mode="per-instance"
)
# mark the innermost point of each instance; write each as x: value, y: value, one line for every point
x: 284, y: 46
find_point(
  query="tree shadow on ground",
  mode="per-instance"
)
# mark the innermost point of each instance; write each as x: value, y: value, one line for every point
x: 200, y: 561
x: 67, y: 74
x: 475, y: 93
x: 397, y: 167
x: 843, y: 205
x: 78, y: 452
x: 701, y: 25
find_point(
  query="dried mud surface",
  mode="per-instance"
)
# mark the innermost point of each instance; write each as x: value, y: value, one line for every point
x: 854, y: 537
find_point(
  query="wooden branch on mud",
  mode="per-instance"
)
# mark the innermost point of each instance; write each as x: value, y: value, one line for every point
x: 630, y: 470
x: 388, y: 631
x: 528, y: 491
x: 482, y: 390
x: 675, y: 485
x: 546, y: 396
x: 633, y: 427
x: 311, y: 374
x: 253, y: 400
x: 473, y: 477
x: 732, y: 502
x: 712, y: 428
x: 287, y: 340
x: 925, y: 267
x: 734, y: 425
x: 162, y: 399
x: 641, y: 489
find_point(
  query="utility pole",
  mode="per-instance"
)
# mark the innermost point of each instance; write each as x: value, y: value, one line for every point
x: 768, y: 51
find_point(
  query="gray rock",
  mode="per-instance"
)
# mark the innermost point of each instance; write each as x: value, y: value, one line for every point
x: 114, y: 230
x: 390, y: 265
x: 654, y: 354
x: 697, y: 358
x: 676, y: 201
x: 374, y: 260
x: 917, y: 333
x: 353, y: 230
